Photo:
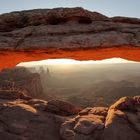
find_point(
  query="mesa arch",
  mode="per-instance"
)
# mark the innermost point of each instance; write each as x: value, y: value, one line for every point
x: 66, y: 33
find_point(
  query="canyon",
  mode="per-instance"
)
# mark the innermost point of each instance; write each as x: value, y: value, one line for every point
x: 23, y: 116
x: 63, y: 33
x: 27, y: 113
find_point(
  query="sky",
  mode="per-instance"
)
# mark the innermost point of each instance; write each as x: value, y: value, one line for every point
x: 128, y: 8
x: 72, y: 61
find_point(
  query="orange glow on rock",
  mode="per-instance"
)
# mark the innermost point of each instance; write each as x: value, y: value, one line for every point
x: 9, y: 58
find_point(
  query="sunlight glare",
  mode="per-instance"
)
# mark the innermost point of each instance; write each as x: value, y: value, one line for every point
x: 72, y: 61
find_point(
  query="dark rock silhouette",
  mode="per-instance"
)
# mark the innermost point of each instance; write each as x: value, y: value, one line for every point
x: 66, y: 28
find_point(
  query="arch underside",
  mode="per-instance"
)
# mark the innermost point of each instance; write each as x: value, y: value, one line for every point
x: 10, y: 58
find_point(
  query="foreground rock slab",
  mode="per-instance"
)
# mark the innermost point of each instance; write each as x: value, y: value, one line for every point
x: 57, y: 120
x: 119, y: 122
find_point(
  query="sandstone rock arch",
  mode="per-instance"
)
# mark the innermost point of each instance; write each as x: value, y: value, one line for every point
x: 36, y: 35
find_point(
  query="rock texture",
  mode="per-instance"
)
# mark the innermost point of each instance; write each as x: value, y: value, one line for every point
x: 27, y: 120
x: 24, y: 118
x: 13, y: 94
x: 20, y: 82
x: 113, y: 123
x: 57, y: 120
x: 66, y: 28
x: 52, y: 33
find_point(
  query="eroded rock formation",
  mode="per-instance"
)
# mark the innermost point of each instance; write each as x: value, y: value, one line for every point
x: 66, y: 28
x: 25, y: 32
x: 119, y: 122
x: 57, y: 120
x: 20, y: 82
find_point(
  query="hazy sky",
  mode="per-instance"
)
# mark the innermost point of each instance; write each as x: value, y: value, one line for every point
x: 129, y: 8
x: 72, y: 61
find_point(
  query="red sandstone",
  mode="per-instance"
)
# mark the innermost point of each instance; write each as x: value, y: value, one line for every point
x: 11, y: 58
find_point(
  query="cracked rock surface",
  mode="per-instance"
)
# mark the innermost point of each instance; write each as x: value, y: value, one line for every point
x: 66, y: 28
x: 57, y: 120
x: 121, y: 121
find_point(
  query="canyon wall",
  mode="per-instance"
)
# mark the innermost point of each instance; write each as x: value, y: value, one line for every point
x: 20, y: 81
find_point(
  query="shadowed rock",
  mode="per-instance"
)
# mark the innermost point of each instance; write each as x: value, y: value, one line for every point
x: 62, y: 108
x: 66, y: 28
x: 39, y: 119
x: 103, y: 124
x: 8, y: 94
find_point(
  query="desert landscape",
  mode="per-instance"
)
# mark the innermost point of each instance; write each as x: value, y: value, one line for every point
x: 78, y: 101
x: 69, y: 101
x: 87, y: 83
